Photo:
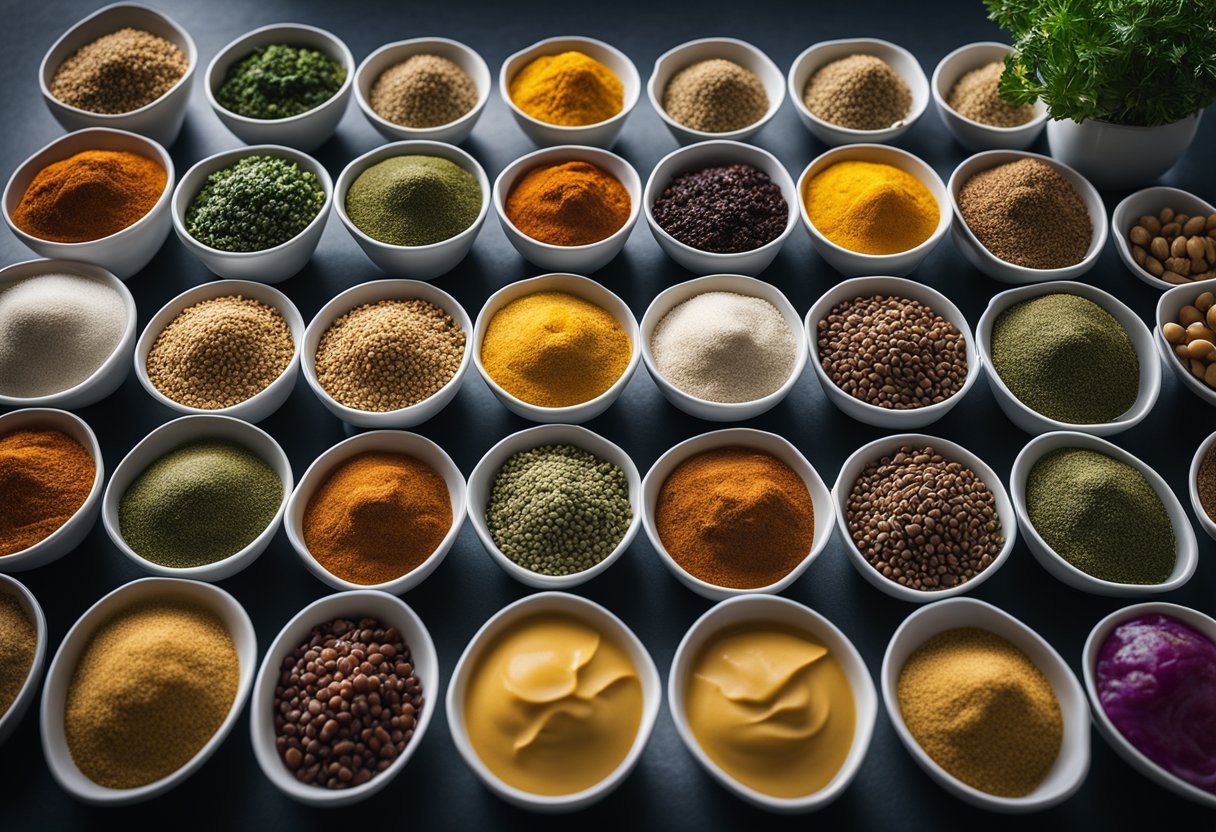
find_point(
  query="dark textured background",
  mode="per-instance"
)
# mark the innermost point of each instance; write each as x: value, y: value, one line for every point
x: 668, y: 789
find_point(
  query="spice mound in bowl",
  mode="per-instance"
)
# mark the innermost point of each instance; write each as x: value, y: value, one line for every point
x: 573, y: 203
x: 976, y: 96
x: 45, y: 477
x: 570, y: 89
x: 859, y: 92
x: 871, y: 207
x: 715, y: 96
x: 724, y: 209
x: 119, y: 72
x: 279, y: 81
x: 18, y: 647
x: 413, y: 200
x: 423, y: 91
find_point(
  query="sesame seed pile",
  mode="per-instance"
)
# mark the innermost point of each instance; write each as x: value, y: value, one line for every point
x: 119, y: 72
x: 423, y: 91
x: 715, y: 96
x: 860, y: 92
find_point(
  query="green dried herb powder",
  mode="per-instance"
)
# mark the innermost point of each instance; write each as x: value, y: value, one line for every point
x: 1101, y: 515
x: 279, y: 81
x: 1067, y: 358
x: 413, y: 200
x: 558, y: 509
x: 258, y: 203
x: 199, y: 504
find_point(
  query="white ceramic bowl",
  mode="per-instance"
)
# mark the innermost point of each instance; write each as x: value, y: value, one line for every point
x: 417, y: 262
x: 1186, y: 550
x: 112, y: 372
x: 974, y: 135
x: 605, y: 622
x: 72, y: 533
x: 258, y: 406
x: 710, y: 154
x: 771, y: 443
x: 600, y: 134
x: 854, y: 263
x: 270, y: 265
x: 1072, y: 763
x: 28, y: 692
x: 372, y: 292
x: 999, y: 269
x: 389, y: 610
x: 772, y: 609
x: 673, y: 296
x: 124, y: 252
x: 304, y: 131
x: 852, y: 469
x: 63, y: 667
x: 704, y: 49
x: 901, y: 60
x: 583, y: 259
x: 581, y: 287
x: 1168, y: 307
x: 1089, y: 665
x: 481, y: 482
x: 384, y: 441
x: 160, y: 120
x: 871, y: 414
x: 391, y: 54
x: 1150, y: 201
x: 1034, y: 422
x: 1205, y: 522
x: 171, y: 436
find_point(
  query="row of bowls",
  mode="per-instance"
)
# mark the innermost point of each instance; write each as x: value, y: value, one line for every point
x: 1064, y: 778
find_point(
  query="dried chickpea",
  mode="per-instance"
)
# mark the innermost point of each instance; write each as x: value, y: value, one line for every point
x: 1188, y: 315
x: 1174, y: 333
x: 1204, y: 302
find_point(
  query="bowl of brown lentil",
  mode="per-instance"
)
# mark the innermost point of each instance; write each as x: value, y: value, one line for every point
x: 143, y: 689
x: 227, y: 348
x: 388, y: 353
x: 423, y: 88
x: 1145, y: 209
x: 126, y: 66
x: 964, y: 87
x: 1202, y: 485
x: 23, y: 638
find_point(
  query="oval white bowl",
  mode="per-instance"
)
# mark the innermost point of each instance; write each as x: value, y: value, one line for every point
x: 974, y: 135
x: 1205, y: 522
x: 1171, y: 303
x: 28, y: 692
x: 1150, y: 201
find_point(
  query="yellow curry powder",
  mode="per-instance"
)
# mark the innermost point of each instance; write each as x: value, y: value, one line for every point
x: 871, y: 208
x: 569, y: 89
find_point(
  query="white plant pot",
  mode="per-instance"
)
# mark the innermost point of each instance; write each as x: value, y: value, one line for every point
x: 1117, y: 156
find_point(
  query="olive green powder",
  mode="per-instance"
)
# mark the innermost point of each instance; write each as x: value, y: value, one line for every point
x: 256, y: 203
x: 558, y: 509
x: 413, y: 200
x: 280, y: 81
x: 1101, y: 515
x: 1066, y: 357
x: 199, y: 504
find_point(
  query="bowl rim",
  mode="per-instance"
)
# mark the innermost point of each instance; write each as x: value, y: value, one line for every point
x: 1206, y: 522
x: 1040, y: 118
x: 28, y: 692
x: 1119, y: 236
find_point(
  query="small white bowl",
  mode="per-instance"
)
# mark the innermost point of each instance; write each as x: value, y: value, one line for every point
x: 771, y: 443
x: 1131, y: 755
x: 169, y: 437
x: 854, y: 263
x: 863, y: 456
x: 72, y: 533
x: 673, y: 296
x: 1168, y: 307
x: 391, y: 54
x: 112, y: 372
x: 871, y: 414
x: 372, y: 292
x: 258, y: 406
x: 779, y: 611
x: 583, y: 259
x: 63, y: 667
x: 705, y: 49
x: 974, y: 135
x: 1205, y: 522
x: 710, y: 154
x: 1150, y: 201
x: 580, y: 287
x: 304, y: 131
x: 417, y: 262
x: 1072, y: 763
x: 1007, y: 272
x: 1186, y: 550
x: 481, y: 483
x: 600, y: 134
x: 124, y: 252
x: 160, y: 120
x: 28, y: 692
x: 384, y: 441
x: 270, y: 265
x: 392, y: 612
x: 1031, y: 420
x: 603, y: 621
x: 901, y: 60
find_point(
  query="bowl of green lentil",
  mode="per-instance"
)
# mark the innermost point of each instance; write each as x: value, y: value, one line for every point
x: 555, y: 505
x: 1068, y: 356
x: 254, y: 213
x: 414, y: 207
x: 199, y: 497
x: 23, y: 638
x: 1099, y: 519
x: 285, y: 83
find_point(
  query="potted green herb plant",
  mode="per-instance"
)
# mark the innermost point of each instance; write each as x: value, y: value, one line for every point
x: 1124, y: 81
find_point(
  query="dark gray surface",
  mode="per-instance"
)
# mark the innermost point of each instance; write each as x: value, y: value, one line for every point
x: 668, y: 789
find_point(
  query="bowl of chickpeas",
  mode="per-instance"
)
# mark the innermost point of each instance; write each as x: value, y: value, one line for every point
x: 1186, y: 337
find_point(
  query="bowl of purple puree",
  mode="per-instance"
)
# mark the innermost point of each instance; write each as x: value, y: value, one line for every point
x: 1150, y: 672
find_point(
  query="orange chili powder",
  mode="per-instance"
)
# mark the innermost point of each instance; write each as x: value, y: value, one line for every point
x: 568, y: 204
x: 45, y: 477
